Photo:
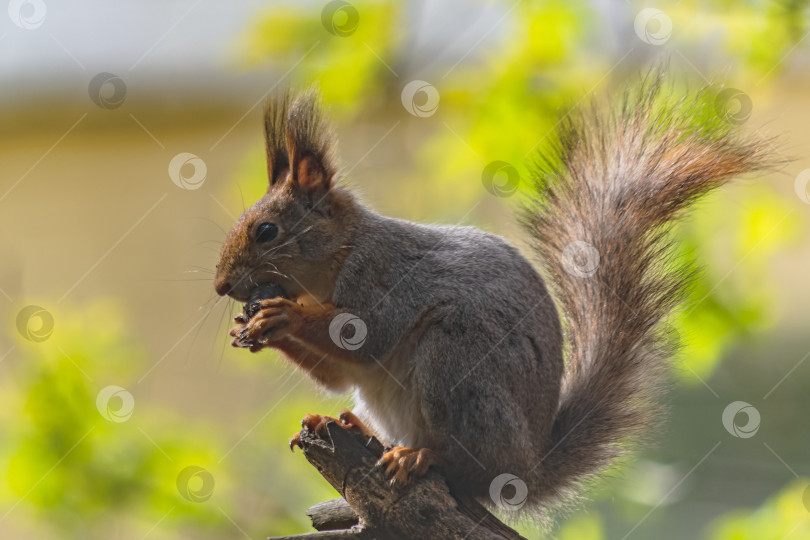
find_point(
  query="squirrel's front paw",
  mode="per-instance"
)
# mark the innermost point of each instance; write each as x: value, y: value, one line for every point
x: 241, y: 321
x: 238, y: 334
x: 274, y: 319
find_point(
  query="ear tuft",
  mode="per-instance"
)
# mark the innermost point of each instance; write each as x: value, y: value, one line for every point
x: 310, y: 144
x: 276, y: 111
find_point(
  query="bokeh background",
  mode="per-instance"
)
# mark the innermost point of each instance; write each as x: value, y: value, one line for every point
x: 124, y: 413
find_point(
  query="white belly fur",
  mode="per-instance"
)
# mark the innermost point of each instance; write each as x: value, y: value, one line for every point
x: 386, y: 403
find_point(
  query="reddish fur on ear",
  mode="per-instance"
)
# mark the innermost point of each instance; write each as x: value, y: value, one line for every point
x: 311, y: 176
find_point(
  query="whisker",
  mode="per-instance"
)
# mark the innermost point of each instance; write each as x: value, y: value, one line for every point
x: 242, y: 195
x: 182, y: 280
x: 211, y: 297
x: 224, y: 232
x: 227, y: 338
x: 218, y: 242
x: 199, y: 271
x: 271, y: 271
x: 216, y: 334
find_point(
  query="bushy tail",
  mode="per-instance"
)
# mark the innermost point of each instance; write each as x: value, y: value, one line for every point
x: 605, y: 197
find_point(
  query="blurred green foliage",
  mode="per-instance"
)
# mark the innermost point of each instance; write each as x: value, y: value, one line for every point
x: 782, y: 516
x: 75, y: 470
x: 346, y: 69
x: 582, y: 527
x: 78, y: 475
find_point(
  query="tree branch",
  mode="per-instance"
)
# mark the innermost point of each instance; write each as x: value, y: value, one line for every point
x: 372, y: 508
x: 331, y: 515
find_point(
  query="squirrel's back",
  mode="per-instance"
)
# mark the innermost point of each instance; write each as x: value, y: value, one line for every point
x: 401, y: 260
x: 430, y: 290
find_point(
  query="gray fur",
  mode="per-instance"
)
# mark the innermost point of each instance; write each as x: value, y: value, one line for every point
x: 453, y: 343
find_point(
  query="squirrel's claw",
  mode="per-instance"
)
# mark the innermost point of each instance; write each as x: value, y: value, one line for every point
x: 403, y: 464
x: 316, y: 423
x: 349, y: 420
x: 271, y: 322
x: 295, y: 440
x: 239, y: 340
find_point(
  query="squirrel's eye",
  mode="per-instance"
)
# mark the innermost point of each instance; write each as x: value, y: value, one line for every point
x: 266, y: 232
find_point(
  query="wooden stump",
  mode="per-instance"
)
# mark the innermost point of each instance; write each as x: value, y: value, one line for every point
x: 372, y: 508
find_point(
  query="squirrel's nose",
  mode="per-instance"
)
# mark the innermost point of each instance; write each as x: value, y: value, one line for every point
x: 222, y: 287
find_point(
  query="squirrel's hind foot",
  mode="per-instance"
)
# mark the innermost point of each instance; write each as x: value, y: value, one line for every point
x: 403, y: 463
x: 316, y: 423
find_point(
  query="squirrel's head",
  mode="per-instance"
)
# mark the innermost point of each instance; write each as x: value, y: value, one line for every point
x: 296, y: 234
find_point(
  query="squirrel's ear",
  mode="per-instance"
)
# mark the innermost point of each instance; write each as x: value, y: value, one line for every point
x: 275, y: 137
x: 311, y: 144
x: 311, y: 176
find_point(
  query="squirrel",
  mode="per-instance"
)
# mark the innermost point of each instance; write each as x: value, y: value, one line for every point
x: 459, y: 354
